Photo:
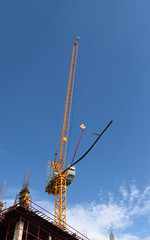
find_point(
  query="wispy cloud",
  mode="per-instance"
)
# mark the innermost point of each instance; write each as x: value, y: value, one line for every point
x: 94, y: 219
x: 120, y: 214
x: 124, y: 192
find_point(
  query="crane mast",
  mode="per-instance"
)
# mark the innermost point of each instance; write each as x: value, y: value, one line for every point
x: 58, y: 183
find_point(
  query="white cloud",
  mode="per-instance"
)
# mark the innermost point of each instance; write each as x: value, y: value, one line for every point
x: 97, y: 218
x: 120, y: 214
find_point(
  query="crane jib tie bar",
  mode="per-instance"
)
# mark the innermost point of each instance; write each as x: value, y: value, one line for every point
x: 89, y: 148
x: 91, y: 132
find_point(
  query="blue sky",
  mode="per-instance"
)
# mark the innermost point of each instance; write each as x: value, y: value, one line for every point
x: 111, y: 83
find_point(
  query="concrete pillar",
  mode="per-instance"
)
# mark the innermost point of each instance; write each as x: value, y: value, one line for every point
x: 49, y: 238
x: 18, y: 230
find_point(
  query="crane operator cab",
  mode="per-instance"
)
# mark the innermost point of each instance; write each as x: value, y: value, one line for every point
x: 70, y: 175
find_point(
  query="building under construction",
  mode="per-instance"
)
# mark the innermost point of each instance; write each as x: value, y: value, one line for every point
x: 26, y: 220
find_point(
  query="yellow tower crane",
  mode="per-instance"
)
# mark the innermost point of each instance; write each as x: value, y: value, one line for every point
x: 59, y: 180
x: 61, y: 177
